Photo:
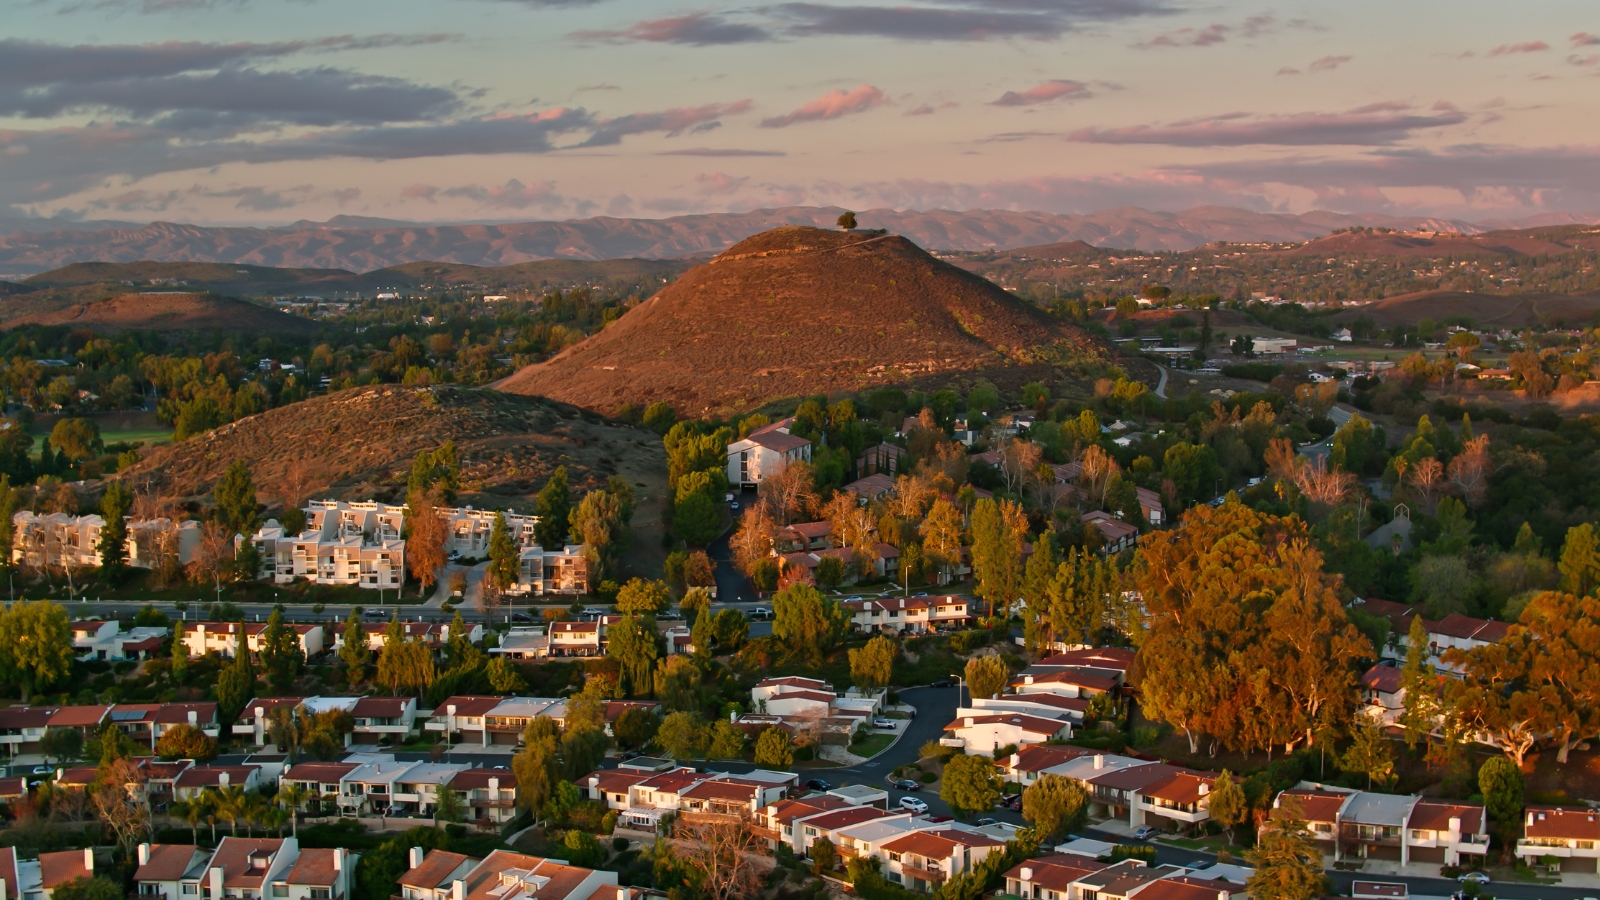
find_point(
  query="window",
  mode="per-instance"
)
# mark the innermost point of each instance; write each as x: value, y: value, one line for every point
x: 191, y: 889
x: 1585, y: 845
x: 894, y: 857
x: 321, y: 893
x: 279, y: 889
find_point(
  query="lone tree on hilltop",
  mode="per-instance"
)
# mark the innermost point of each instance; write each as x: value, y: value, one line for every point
x: 847, y: 220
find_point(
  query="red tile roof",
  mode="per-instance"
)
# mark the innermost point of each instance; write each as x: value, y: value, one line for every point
x: 314, y: 866
x: 78, y: 716
x: 26, y: 716
x: 206, y: 776
x: 321, y: 772
x: 1068, y: 676
x: 1187, y: 888
x: 1435, y: 815
x: 1031, y: 724
x: 178, y: 713
x: 786, y: 811
x: 1318, y: 806
x: 1562, y: 824
x: 436, y: 867
x: 478, y: 779
x: 1055, y: 873
x: 1463, y: 627
x: 1180, y: 787
x: 615, y: 781
x: 167, y: 862
x: 844, y: 818
x: 380, y: 707
x: 1383, y: 679
x: 467, y: 705
x: 60, y: 868
x: 8, y: 871
x: 1038, y: 757
x: 234, y: 855
x: 792, y: 681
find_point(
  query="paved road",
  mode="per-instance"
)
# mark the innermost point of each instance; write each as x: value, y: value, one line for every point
x: 732, y: 586
x: 1161, y: 386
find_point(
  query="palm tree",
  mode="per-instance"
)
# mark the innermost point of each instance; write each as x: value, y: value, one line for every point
x: 207, y: 805
x: 274, y: 817
x: 193, y: 812
x: 232, y: 805
x: 257, y: 809
x: 292, y: 796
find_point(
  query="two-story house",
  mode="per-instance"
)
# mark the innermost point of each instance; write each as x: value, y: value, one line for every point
x: 764, y: 452
x: 1568, y: 839
x: 165, y: 868
x: 461, y: 719
x: 491, y: 794
x: 923, y: 860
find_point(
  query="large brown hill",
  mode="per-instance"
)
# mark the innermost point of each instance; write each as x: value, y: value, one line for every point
x: 800, y: 310
x: 170, y: 312
x: 358, y: 444
x: 1485, y: 310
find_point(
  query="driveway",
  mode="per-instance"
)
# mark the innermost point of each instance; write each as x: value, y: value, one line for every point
x: 732, y: 586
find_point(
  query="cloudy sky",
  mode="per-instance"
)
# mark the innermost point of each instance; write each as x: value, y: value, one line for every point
x: 268, y: 111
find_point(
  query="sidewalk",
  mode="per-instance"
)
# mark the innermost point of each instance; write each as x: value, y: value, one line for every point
x: 1391, y: 867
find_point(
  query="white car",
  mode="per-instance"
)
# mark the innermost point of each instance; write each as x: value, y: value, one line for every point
x: 881, y: 722
x: 761, y: 612
x: 914, y: 805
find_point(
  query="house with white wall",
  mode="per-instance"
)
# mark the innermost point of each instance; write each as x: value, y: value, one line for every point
x: 764, y: 452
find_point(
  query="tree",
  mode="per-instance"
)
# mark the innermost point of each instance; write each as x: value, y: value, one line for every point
x: 808, y: 621
x: 503, y: 556
x: 824, y: 856
x: 774, y: 748
x: 987, y: 676
x: 727, y: 741
x: 235, y: 494
x: 601, y: 524
x: 732, y: 629
x: 1228, y: 805
x: 1420, y: 684
x: 847, y: 220
x: 871, y: 665
x: 696, y: 520
x: 354, y: 651
x: 98, y: 887
x: 405, y: 664
x: 281, y: 655
x: 790, y: 491
x: 554, y: 509
x: 184, y: 741
x: 677, y: 683
x: 504, y: 677
x: 180, y: 655
x: 114, y: 534
x: 1580, y: 561
x: 699, y: 572
x: 1500, y: 783
x: 236, y: 685
x: 636, y: 728
x: 639, y: 597
x: 1371, y: 755
x: 1288, y: 865
x: 752, y: 541
x: 449, y: 807
x: 830, y: 572
x: 682, y: 735
x: 633, y: 645
x: 941, y: 534
x: 535, y: 768
x: 61, y: 744
x: 426, y: 533
x: 725, y: 857
x: 996, y: 556
x: 1056, y: 806
x: 35, y: 645
x: 969, y: 784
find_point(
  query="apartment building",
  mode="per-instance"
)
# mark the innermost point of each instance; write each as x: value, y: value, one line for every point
x: 908, y: 614
x: 644, y: 793
x: 222, y: 638
x: 491, y: 794
x: 764, y: 452
x: 1565, y: 839
x: 195, y: 780
x: 468, y: 530
x: 150, y: 539
x: 358, y: 559
x: 807, y: 703
x: 434, y: 635
x: 986, y: 731
x: 924, y: 860
x: 1348, y: 824
x: 321, y: 779
x: 542, y: 572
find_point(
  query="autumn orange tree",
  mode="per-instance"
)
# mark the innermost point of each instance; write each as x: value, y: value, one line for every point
x: 1247, y: 640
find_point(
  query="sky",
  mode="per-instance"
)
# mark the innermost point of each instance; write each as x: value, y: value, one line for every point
x: 271, y: 111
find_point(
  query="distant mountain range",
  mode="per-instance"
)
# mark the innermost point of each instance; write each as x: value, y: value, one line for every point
x: 361, y: 244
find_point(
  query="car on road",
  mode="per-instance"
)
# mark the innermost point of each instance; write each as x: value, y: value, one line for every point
x: 914, y: 805
x: 591, y: 611
x: 906, y: 784
x: 42, y: 770
x: 521, y: 617
x: 1011, y: 801
x: 375, y: 614
x: 881, y: 722
x: 761, y: 612
x: 943, y: 682
x: 733, y: 505
x: 985, y: 821
x: 817, y: 784
x: 1473, y: 878
x: 1146, y: 832
x: 669, y: 617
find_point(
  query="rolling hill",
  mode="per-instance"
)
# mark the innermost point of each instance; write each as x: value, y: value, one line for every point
x: 1485, y: 310
x: 163, y: 311
x: 359, y: 444
x: 800, y: 310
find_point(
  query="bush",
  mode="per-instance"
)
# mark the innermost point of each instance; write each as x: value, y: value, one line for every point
x: 1146, y: 736
x: 1255, y: 371
x: 1142, y: 852
x: 929, y: 778
x: 619, y: 844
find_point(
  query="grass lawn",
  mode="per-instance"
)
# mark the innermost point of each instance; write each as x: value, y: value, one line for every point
x: 896, y: 715
x: 872, y: 745
x: 1211, y: 844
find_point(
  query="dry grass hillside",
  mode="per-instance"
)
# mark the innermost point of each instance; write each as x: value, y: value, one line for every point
x: 358, y: 444
x: 156, y: 312
x: 801, y: 310
x: 1485, y: 310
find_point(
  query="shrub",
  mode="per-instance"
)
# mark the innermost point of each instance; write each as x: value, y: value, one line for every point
x: 619, y: 844
x: 929, y: 778
x: 1145, y: 853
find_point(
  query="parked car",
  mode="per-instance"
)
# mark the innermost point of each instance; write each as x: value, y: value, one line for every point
x: 881, y: 722
x: 521, y: 617
x: 944, y: 682
x: 914, y: 805
x: 906, y: 784
x: 985, y: 821
x: 591, y: 611
x: 938, y: 819
x: 1145, y: 833
x: 1011, y: 801
x: 817, y: 784
x: 42, y: 770
x: 761, y: 612
x: 375, y: 614
x: 1473, y: 878
x: 733, y: 505
x: 669, y: 617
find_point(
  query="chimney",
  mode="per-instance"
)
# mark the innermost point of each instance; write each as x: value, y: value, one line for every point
x: 416, y: 857
x: 194, y: 717
x: 494, y: 789
x: 458, y: 890
x: 88, y: 859
x: 967, y: 722
x: 1530, y: 819
x: 1455, y: 826
x: 338, y: 859
x: 1204, y: 789
x: 222, y: 778
x: 144, y: 858
x: 216, y: 881
x: 1027, y: 873
x: 1099, y: 760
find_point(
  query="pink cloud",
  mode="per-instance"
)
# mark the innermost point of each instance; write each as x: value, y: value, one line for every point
x: 1043, y: 93
x: 1584, y: 39
x: 719, y: 182
x: 1373, y: 124
x: 511, y: 195
x: 346, y: 195
x: 419, y: 191
x: 1528, y: 47
x: 831, y: 105
x: 1189, y: 37
x: 1328, y: 63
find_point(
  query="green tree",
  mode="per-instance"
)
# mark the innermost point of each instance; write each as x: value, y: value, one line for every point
x: 1370, y: 754
x: 554, y: 509
x: 180, y: 655
x: 436, y: 469
x: 727, y: 741
x: 114, y: 534
x: 35, y: 645
x: 504, y: 677
x: 1580, y: 561
x: 78, y: 439
x: 1500, y: 783
x: 404, y: 664
x: 969, y: 784
x: 460, y: 650
x: 281, y: 655
x: 677, y: 683
x: 871, y: 665
x: 503, y: 556
x: 449, y: 807
x: 236, y: 684
x: 996, y: 556
x: 1228, y: 805
x: 987, y: 676
x: 1420, y: 684
x: 633, y: 645
x: 61, y: 744
x: 1288, y: 865
x: 659, y: 417
x: 732, y: 630
x: 808, y: 621
x: 824, y: 856
x: 831, y: 572
x: 696, y: 520
x: 185, y: 741
x: 82, y: 888
x: 600, y: 523
x: 847, y: 220
x: 582, y: 849
x: 354, y: 651
x: 235, y: 494
x: 1055, y: 805
x: 682, y: 735
x: 640, y: 596
x: 774, y: 749
x: 635, y: 728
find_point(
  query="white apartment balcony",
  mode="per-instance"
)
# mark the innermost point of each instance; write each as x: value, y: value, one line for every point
x: 1180, y: 813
